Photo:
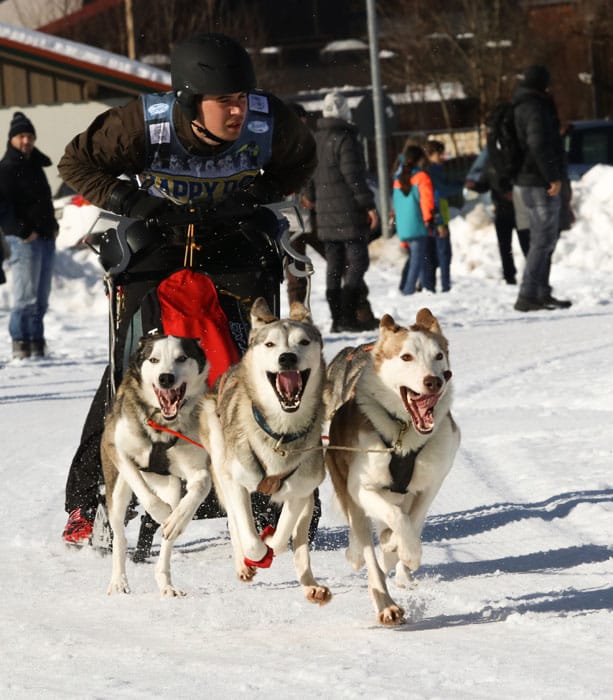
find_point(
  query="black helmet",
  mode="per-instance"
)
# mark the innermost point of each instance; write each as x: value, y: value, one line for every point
x: 211, y: 64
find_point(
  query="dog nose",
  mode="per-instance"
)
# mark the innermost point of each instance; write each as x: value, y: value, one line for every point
x: 166, y: 380
x: 288, y: 360
x: 432, y: 383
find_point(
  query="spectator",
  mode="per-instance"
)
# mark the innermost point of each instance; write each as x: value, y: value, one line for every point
x: 212, y: 132
x: 28, y: 221
x: 506, y: 217
x: 414, y: 210
x: 297, y: 285
x: 438, y: 245
x: 538, y: 184
x: 346, y: 213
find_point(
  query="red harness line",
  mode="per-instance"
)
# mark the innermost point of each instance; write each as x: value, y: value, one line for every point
x: 164, y: 429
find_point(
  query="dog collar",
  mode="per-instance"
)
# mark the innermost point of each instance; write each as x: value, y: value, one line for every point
x: 280, y: 437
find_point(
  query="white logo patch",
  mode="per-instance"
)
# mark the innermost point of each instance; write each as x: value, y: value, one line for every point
x: 159, y: 133
x: 258, y: 103
x: 258, y: 127
x: 158, y: 109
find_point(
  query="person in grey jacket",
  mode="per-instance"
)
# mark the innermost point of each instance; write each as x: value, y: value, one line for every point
x: 538, y: 184
x: 346, y: 213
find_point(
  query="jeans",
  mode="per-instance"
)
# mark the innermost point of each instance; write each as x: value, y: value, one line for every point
x: 438, y: 254
x: 31, y: 266
x: 544, y: 215
x: 414, y: 266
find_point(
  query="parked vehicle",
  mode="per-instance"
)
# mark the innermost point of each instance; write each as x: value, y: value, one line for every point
x: 588, y: 143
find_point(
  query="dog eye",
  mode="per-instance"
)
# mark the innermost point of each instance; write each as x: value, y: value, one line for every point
x: 182, y: 358
x: 304, y: 341
x: 269, y: 344
x: 439, y: 356
x: 153, y: 360
x: 407, y: 357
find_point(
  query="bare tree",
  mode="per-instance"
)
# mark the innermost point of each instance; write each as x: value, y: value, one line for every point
x: 472, y: 44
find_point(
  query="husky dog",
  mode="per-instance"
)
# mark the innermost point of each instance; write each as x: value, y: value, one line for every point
x: 264, y: 435
x: 390, y: 405
x: 149, y: 447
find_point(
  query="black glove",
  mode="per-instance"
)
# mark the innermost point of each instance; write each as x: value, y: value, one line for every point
x: 128, y: 201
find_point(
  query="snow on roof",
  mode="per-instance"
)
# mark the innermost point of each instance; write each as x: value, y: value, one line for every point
x: 83, y: 53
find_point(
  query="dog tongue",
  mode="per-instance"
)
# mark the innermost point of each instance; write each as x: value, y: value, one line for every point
x: 421, y: 410
x: 289, y: 383
x: 169, y: 400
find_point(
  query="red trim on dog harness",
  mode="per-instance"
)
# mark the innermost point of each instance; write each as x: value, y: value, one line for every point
x: 164, y: 429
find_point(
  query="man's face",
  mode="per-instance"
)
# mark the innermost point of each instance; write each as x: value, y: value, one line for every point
x: 24, y: 143
x: 223, y: 115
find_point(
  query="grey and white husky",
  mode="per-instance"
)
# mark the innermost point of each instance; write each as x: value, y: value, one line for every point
x: 264, y: 435
x: 150, y: 447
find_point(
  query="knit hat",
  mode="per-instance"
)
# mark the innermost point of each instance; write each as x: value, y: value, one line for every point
x: 20, y: 124
x: 336, y: 105
x: 536, y: 78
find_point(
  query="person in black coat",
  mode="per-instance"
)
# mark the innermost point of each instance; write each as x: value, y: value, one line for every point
x: 504, y: 217
x: 28, y: 220
x: 539, y: 184
x: 345, y: 210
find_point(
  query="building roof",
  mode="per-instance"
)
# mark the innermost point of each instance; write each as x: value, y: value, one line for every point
x: 87, y: 63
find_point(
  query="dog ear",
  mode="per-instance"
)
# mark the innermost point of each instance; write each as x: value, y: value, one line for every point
x: 261, y: 313
x: 299, y: 312
x: 387, y: 323
x: 426, y: 320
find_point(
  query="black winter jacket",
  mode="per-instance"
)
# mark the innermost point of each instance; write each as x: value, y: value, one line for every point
x: 339, y: 188
x: 26, y: 203
x: 538, y: 131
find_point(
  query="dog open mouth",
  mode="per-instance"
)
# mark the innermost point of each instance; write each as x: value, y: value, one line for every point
x: 289, y: 387
x: 170, y: 400
x: 421, y: 408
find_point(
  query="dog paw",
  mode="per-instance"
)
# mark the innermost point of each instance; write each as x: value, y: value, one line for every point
x: 410, y: 555
x: 391, y: 615
x: 246, y: 573
x: 120, y: 586
x: 170, y: 591
x: 404, y: 578
x: 318, y: 594
x: 174, y: 525
x: 355, y: 558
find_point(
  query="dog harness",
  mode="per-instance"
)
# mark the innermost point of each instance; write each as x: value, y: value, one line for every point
x: 158, y: 457
x: 401, y: 466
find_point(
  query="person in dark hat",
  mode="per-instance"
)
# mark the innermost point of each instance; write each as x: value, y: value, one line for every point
x: 28, y: 220
x: 538, y: 184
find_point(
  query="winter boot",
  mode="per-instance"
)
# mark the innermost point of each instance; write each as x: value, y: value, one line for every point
x: 21, y: 349
x: 333, y: 297
x: 79, y: 527
x: 37, y: 348
x: 349, y: 305
x: 364, y: 315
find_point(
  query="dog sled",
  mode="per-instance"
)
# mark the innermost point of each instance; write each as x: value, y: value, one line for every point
x: 179, y: 274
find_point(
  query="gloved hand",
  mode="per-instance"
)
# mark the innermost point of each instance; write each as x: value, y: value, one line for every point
x: 129, y: 201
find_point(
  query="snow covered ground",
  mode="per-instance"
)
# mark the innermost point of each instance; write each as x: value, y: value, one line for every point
x: 515, y: 593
